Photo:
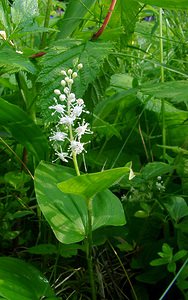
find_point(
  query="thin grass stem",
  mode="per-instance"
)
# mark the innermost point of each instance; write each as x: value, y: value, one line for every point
x: 172, y: 282
x: 162, y: 80
x: 124, y: 270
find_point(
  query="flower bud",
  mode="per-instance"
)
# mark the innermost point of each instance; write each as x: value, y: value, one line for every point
x: 63, y: 73
x: 57, y: 92
x: 63, y: 82
x: 70, y: 71
x: 66, y: 90
x: 70, y: 81
x: 80, y: 66
x: 74, y: 75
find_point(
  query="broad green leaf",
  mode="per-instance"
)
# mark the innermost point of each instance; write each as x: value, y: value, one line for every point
x: 10, y: 58
x: 177, y: 208
x: 171, y: 4
x: 23, y: 129
x: 22, y: 11
x: 67, y: 213
x: 74, y: 15
x: 175, y: 90
x: 107, y: 210
x: 155, y: 169
x: 21, y: 281
x: 88, y: 185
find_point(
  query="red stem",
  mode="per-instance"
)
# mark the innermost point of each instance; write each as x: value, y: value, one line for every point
x: 106, y: 20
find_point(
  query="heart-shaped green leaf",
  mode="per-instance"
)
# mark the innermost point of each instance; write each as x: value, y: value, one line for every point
x: 67, y: 213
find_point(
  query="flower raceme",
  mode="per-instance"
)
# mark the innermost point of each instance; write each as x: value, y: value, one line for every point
x: 70, y: 127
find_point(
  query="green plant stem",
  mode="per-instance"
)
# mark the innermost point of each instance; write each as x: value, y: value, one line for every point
x: 89, y: 245
x: 46, y: 24
x: 162, y: 80
x: 88, y: 239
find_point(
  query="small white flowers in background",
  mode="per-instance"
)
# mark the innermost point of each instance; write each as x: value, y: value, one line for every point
x: 160, y: 184
x: 69, y: 130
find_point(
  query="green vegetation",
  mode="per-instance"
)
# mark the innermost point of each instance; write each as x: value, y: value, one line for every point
x: 94, y: 149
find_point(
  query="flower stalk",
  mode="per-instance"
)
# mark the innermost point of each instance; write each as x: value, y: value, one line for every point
x: 71, y: 128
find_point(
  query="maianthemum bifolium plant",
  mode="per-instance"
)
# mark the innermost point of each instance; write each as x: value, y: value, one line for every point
x: 90, y: 205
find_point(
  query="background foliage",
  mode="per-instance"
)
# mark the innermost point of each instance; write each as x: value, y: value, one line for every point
x: 134, y: 82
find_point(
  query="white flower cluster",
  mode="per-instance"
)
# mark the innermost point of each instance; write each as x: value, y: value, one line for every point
x: 69, y: 110
x: 160, y: 184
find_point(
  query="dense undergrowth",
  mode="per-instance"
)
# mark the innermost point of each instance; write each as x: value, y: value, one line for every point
x: 120, y: 229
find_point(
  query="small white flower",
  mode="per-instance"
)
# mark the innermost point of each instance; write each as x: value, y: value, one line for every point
x: 3, y: 34
x: 57, y: 92
x: 160, y: 186
x: 82, y: 129
x: 77, y: 111
x: 80, y: 101
x: 62, y: 97
x: 19, y: 52
x: 63, y: 83
x: 62, y: 155
x: 77, y: 147
x: 71, y: 97
x: 58, y: 136
x: 66, y: 120
x: 79, y: 66
x: 58, y: 108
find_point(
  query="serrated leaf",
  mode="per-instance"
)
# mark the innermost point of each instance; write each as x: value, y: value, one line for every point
x: 22, y: 11
x: 9, y: 58
x: 175, y: 90
x: 88, y: 185
x: 63, y: 56
x: 21, y: 281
